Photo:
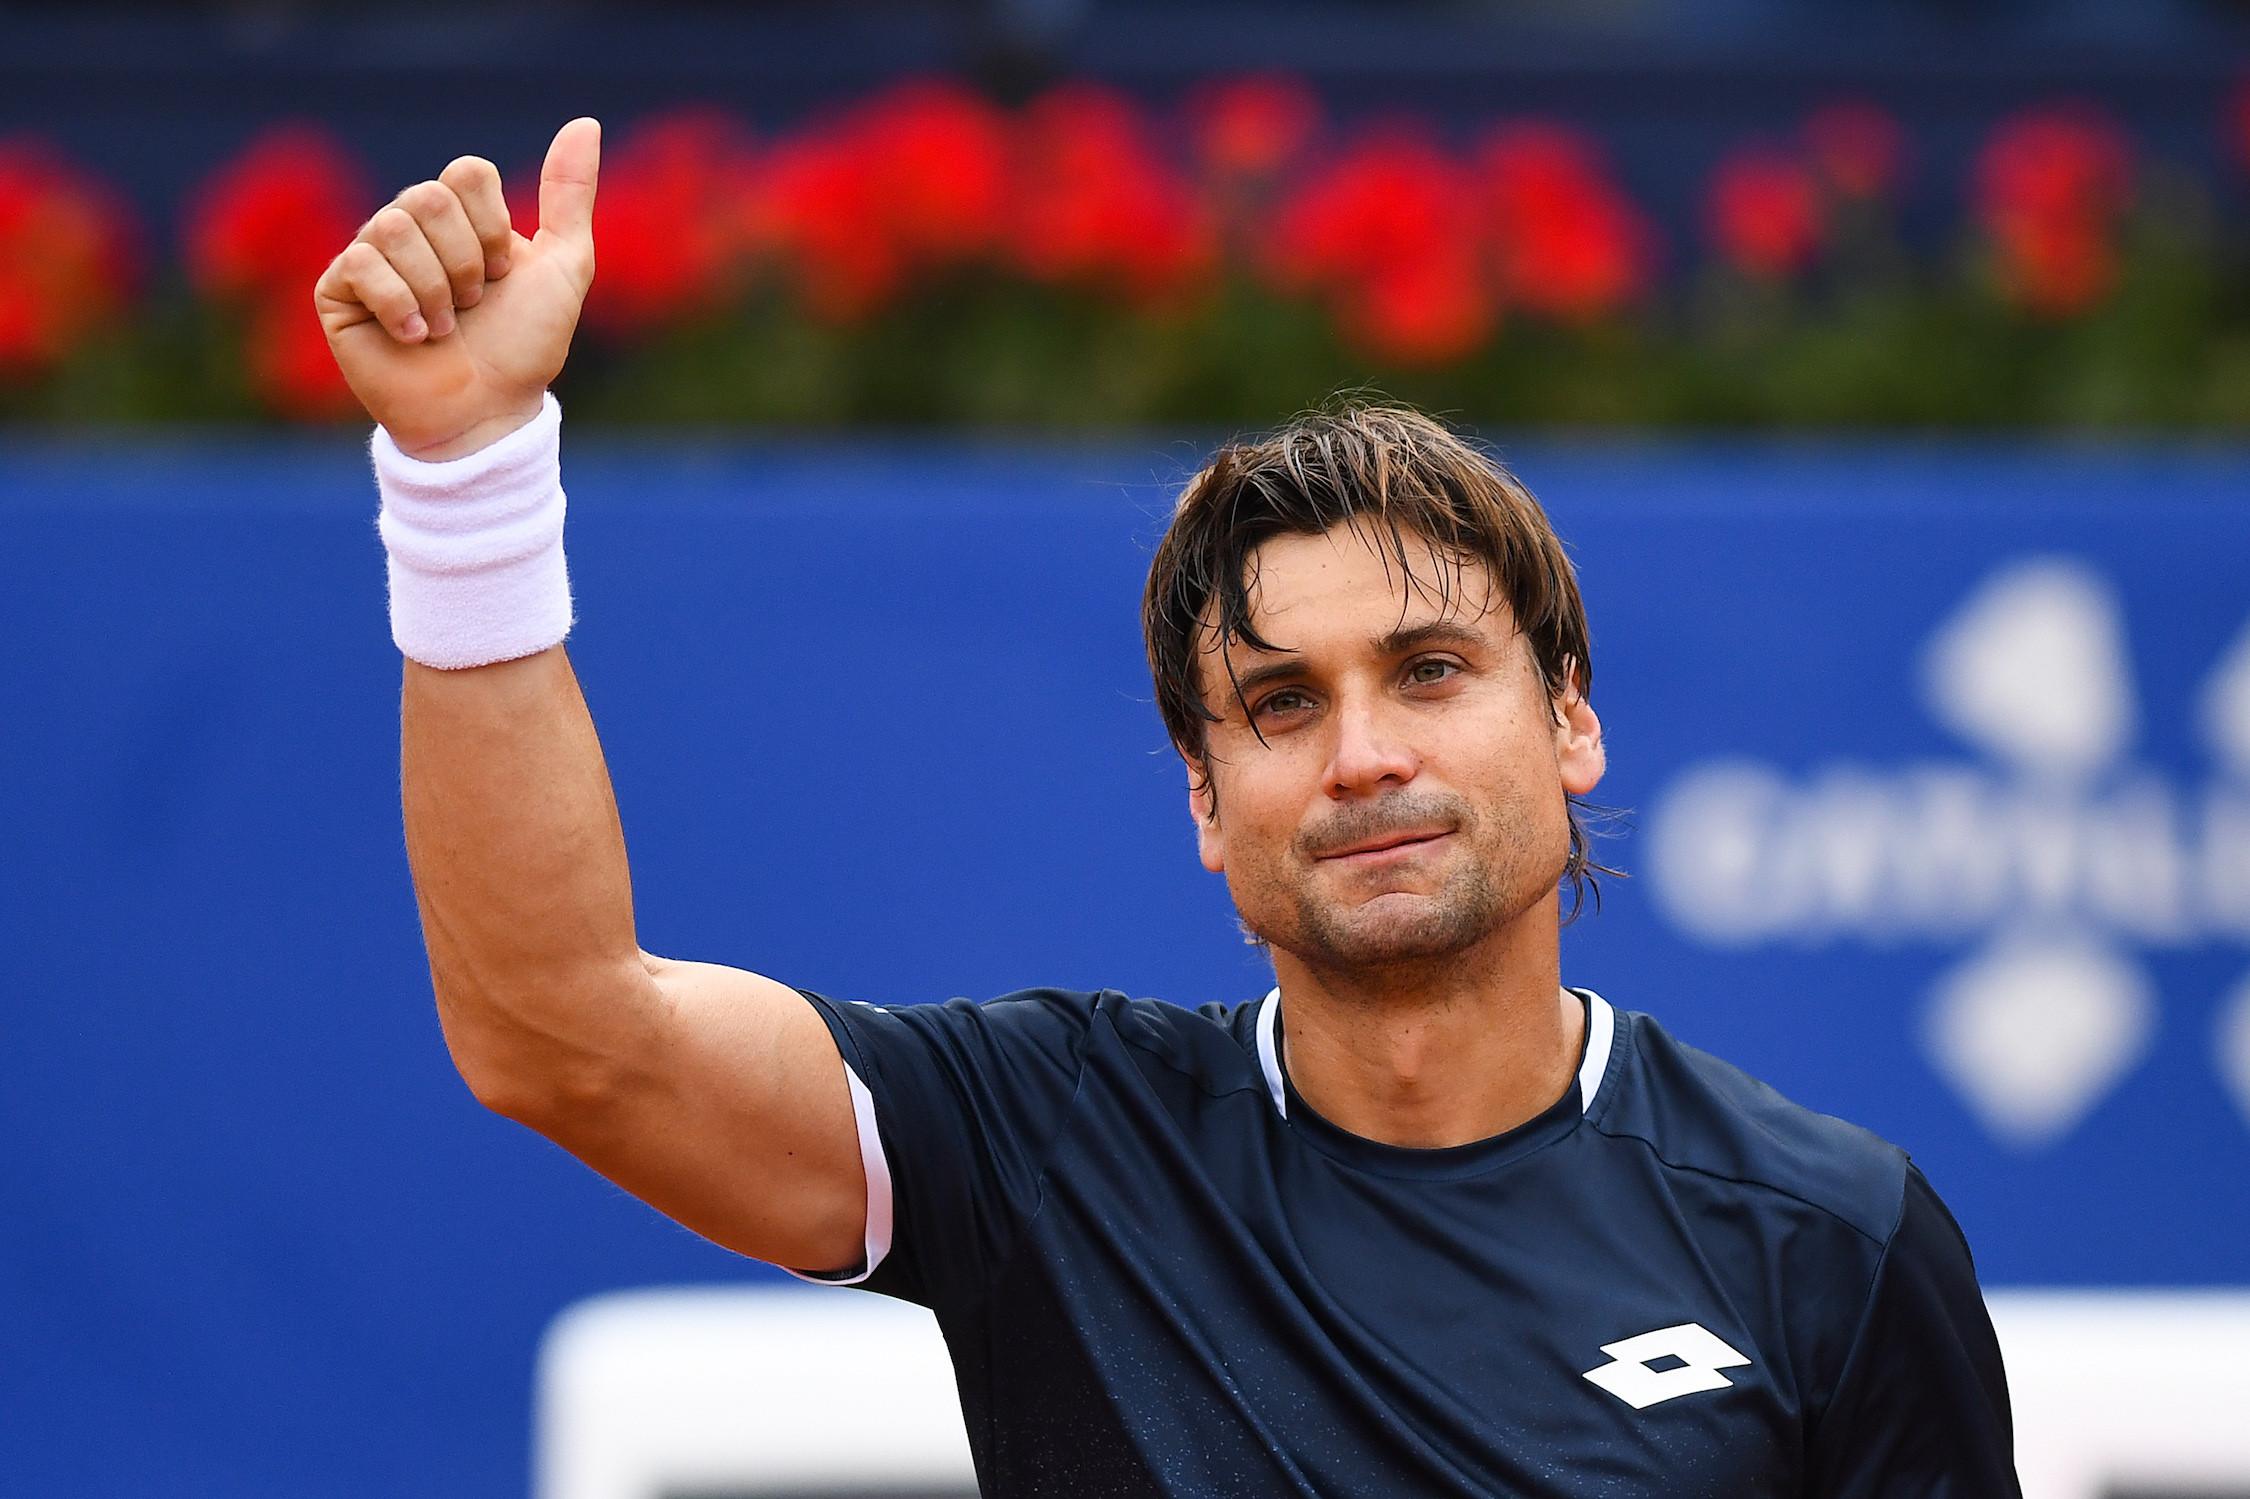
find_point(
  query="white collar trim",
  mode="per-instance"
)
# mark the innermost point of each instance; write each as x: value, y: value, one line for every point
x: 1269, y: 1058
x: 1601, y: 1035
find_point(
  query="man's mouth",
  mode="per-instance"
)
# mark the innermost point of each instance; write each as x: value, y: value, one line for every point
x: 1396, y: 841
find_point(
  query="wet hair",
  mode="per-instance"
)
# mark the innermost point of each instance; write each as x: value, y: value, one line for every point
x: 1432, y: 501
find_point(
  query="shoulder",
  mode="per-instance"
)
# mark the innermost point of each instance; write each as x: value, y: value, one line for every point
x: 1697, y: 1113
x: 1214, y: 1042
x: 1213, y: 1047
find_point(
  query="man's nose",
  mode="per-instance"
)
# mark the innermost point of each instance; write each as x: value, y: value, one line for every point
x: 1370, y: 752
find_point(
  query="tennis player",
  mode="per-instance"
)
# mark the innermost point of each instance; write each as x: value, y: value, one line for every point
x: 1420, y: 1221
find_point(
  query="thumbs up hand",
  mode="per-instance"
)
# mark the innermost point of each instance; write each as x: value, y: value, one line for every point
x: 448, y: 324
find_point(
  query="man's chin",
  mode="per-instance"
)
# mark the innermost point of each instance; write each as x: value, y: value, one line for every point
x: 1385, y: 931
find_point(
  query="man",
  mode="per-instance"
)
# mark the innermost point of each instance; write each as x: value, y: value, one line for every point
x: 1420, y: 1221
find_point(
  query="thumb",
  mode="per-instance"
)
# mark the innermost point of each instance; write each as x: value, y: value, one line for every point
x: 566, y: 181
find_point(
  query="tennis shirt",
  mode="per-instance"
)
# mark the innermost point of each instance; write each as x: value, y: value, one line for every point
x: 1160, y: 1273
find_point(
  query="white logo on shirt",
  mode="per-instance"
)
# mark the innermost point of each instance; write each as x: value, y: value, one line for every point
x: 1701, y: 1356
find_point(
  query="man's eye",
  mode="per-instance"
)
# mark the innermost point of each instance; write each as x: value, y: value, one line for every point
x: 1424, y: 673
x: 1287, y: 701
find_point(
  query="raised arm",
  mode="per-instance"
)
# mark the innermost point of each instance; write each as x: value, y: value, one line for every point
x: 713, y: 1094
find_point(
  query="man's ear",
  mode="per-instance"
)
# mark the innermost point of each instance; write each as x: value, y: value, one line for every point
x: 1203, y: 806
x: 1578, y: 742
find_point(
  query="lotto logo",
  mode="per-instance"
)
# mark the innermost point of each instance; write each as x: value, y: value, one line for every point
x: 1692, y: 1357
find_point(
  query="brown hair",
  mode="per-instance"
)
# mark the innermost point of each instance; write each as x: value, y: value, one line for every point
x: 1411, y: 485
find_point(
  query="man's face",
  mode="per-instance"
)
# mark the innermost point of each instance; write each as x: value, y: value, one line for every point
x: 1407, y: 798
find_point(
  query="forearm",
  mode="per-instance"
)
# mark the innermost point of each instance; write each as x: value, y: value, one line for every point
x: 519, y: 866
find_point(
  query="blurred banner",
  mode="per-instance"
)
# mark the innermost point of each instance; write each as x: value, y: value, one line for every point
x: 1937, y: 762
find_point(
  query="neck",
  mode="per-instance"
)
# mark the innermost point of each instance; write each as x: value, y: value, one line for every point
x: 1437, y: 1053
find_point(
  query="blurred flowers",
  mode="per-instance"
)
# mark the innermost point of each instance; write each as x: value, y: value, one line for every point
x: 925, y: 253
x: 1255, y: 127
x: 1388, y: 235
x: 66, y: 258
x: 2235, y: 124
x: 1859, y: 150
x: 1566, y: 241
x: 258, y: 234
x: 911, y: 182
x: 670, y: 222
x: 1763, y: 212
x: 939, y: 155
x: 1099, y: 207
x: 2051, y: 187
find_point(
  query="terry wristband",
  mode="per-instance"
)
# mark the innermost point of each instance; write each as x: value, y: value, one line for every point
x: 475, y: 543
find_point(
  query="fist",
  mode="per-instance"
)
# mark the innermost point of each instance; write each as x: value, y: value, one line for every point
x: 449, y: 325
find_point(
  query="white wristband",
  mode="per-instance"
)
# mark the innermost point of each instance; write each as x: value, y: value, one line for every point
x: 475, y: 545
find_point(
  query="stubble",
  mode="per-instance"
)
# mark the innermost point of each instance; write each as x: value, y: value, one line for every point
x: 1498, y: 871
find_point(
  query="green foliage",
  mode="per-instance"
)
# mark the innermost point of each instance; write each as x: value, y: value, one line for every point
x: 178, y: 360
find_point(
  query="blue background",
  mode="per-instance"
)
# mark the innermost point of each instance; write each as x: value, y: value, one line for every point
x: 880, y: 726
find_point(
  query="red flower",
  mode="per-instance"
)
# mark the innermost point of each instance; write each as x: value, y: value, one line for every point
x: 1567, y: 242
x: 291, y: 369
x: 669, y: 231
x: 915, y: 179
x: 2238, y: 121
x: 1389, y: 234
x: 2051, y: 185
x: 1763, y: 212
x: 271, y: 219
x: 66, y: 257
x: 1253, y: 127
x: 1860, y: 150
x: 821, y: 205
x: 259, y: 233
x: 941, y: 157
x: 1097, y: 206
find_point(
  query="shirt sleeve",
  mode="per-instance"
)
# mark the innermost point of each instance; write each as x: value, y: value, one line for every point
x: 967, y: 1102
x: 1922, y: 1407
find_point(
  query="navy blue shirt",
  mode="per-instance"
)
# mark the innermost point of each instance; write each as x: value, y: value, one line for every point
x: 1161, y: 1274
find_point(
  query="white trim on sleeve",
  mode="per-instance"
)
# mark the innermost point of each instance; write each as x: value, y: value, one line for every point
x: 878, y: 1172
